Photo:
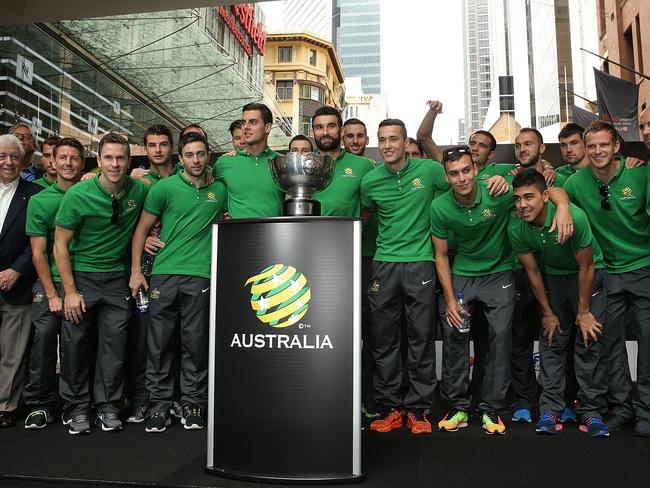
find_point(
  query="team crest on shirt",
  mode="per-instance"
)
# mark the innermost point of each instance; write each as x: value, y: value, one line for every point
x: 628, y: 193
x: 349, y: 173
x: 131, y: 205
x: 374, y: 286
x: 154, y: 294
x: 38, y: 297
x: 212, y: 197
x: 487, y: 213
x: 417, y: 184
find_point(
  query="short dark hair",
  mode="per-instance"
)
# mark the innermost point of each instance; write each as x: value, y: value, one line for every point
x: 488, y: 134
x: 390, y: 122
x: 113, y: 138
x: 193, y: 126
x: 413, y: 140
x: 354, y: 121
x: 530, y: 177
x: 159, y: 130
x: 569, y: 130
x: 236, y: 125
x: 300, y: 137
x: 327, y: 110
x: 50, y: 141
x: 599, y: 125
x: 71, y: 142
x: 189, y: 138
x: 454, y: 153
x: 530, y: 130
x: 267, y: 115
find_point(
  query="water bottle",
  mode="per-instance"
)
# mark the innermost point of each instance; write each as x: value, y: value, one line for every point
x: 463, y: 311
x: 142, y: 297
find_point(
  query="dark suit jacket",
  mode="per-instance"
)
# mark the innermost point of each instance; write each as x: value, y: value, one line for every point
x: 15, y: 250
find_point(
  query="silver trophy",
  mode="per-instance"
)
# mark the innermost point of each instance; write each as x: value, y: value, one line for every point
x: 300, y: 176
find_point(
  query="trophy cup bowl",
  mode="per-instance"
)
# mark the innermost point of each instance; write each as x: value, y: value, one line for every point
x: 300, y: 176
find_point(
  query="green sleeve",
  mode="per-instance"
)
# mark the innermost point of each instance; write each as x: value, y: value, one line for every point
x: 223, y: 190
x: 568, y: 187
x: 437, y: 223
x: 439, y: 182
x: 582, y: 236
x: 515, y: 235
x: 366, y: 199
x: 156, y: 200
x: 69, y: 215
x: 217, y: 171
x: 36, y: 224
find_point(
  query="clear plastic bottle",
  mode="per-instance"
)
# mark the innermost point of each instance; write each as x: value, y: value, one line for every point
x: 463, y: 311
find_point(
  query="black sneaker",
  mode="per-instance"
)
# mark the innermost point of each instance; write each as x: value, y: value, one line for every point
x: 137, y: 415
x: 65, y: 418
x: 109, y: 422
x: 158, y: 422
x: 78, y: 424
x: 192, y: 418
x: 176, y: 410
x: 38, y: 419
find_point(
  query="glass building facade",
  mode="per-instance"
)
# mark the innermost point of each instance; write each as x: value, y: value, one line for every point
x: 356, y: 36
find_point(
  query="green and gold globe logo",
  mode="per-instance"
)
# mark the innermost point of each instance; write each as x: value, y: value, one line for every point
x: 279, y: 295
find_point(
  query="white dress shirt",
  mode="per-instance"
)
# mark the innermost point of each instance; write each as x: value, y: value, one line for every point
x: 6, y: 195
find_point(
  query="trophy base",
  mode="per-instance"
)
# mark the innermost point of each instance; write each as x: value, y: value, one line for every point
x: 301, y: 206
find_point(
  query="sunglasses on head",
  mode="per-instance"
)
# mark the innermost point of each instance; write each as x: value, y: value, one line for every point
x: 454, y: 152
x: 604, y: 192
x: 116, y: 211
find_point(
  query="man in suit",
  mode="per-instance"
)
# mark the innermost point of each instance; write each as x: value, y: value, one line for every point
x: 16, y: 276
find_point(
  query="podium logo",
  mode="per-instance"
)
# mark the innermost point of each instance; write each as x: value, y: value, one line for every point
x: 279, y: 295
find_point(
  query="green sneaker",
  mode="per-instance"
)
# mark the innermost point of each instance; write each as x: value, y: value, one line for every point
x: 454, y: 420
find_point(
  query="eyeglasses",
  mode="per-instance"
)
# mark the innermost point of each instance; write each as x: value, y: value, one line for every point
x: 455, y: 152
x: 116, y: 211
x: 604, y: 192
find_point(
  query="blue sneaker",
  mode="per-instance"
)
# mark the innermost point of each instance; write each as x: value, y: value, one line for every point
x: 595, y: 427
x: 522, y: 415
x: 568, y: 415
x: 547, y: 424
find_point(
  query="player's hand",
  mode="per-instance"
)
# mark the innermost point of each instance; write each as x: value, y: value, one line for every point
x: 589, y: 327
x: 139, y: 173
x: 549, y: 173
x: 152, y: 245
x: 564, y: 224
x: 88, y: 176
x: 136, y: 281
x: 55, y: 304
x: 515, y: 170
x: 452, y: 314
x: 74, y: 307
x: 435, y: 106
x: 497, y: 185
x: 550, y: 325
x: 632, y: 162
x: 8, y: 278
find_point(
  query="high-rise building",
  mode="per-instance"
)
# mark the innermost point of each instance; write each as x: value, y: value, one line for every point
x: 478, y: 62
x: 356, y: 36
x: 312, y: 16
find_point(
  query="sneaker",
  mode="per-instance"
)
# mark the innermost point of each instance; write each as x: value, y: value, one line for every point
x: 548, y: 424
x: 454, y: 420
x: 387, y: 421
x: 595, y: 427
x: 192, y: 418
x: 568, y: 415
x: 492, y: 423
x: 65, y: 419
x: 368, y: 411
x: 616, y: 422
x: 78, y: 424
x: 109, y: 422
x: 38, y: 419
x: 158, y: 422
x: 176, y: 410
x: 418, y: 422
x: 522, y: 415
x: 642, y: 427
x: 137, y: 415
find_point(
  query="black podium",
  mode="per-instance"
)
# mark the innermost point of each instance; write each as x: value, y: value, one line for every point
x: 285, y: 350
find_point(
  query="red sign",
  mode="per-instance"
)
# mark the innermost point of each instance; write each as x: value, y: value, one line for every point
x: 246, y: 17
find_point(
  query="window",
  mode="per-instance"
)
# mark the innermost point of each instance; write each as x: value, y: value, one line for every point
x: 284, y: 54
x: 312, y: 93
x: 312, y: 57
x: 284, y: 90
x: 305, y: 126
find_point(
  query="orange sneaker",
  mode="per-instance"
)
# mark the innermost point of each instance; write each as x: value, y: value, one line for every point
x: 418, y: 422
x: 387, y: 421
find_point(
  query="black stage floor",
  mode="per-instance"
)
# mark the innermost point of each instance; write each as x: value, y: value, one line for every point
x: 468, y: 458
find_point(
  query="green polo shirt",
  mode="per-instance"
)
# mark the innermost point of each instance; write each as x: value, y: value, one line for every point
x: 252, y: 192
x: 98, y: 245
x: 43, y: 181
x: 41, y: 211
x: 401, y: 201
x: 186, y: 214
x: 480, y: 230
x: 565, y: 171
x: 556, y: 258
x: 156, y: 177
x: 341, y: 197
x: 494, y: 169
x: 370, y: 230
x: 623, y: 231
